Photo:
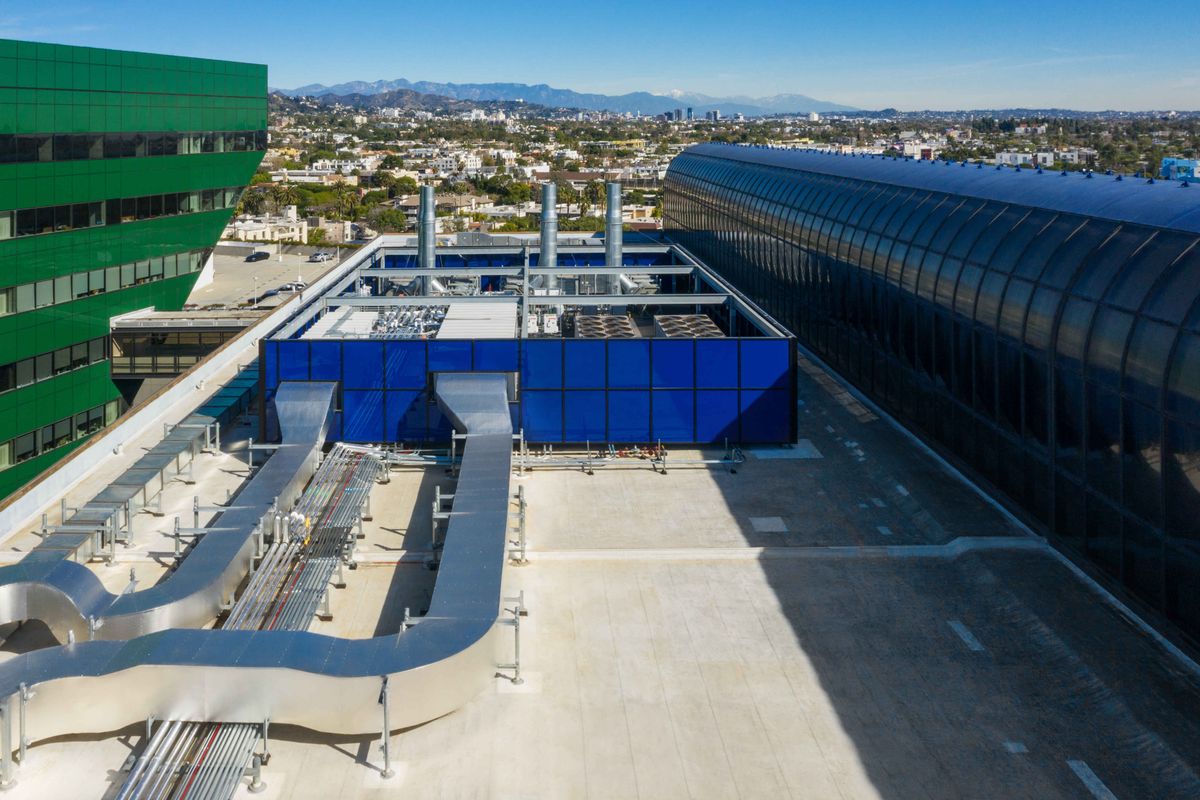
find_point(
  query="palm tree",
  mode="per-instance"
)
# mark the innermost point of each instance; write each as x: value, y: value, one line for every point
x: 284, y: 194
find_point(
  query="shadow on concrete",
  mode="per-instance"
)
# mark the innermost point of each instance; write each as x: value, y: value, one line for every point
x: 412, y: 582
x: 1046, y: 674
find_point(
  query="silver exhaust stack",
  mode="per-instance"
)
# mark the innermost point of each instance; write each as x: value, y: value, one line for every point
x: 614, y: 233
x: 548, y: 257
x: 426, y: 233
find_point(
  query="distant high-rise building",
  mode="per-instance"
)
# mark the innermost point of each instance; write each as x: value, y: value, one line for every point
x: 678, y: 115
x: 122, y: 169
x: 814, y: 117
x: 689, y: 114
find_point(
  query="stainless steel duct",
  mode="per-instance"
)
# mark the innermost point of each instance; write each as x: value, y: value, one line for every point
x: 426, y: 229
x: 548, y: 257
x: 613, y: 233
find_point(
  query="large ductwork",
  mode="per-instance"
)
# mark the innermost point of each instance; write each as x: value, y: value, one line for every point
x: 426, y: 229
x: 614, y: 246
x: 548, y: 255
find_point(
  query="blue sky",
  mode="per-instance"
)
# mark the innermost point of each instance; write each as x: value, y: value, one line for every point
x: 1085, y: 54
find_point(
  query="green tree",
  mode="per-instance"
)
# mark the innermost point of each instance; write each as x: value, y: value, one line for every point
x: 284, y: 194
x: 389, y: 220
x: 594, y: 193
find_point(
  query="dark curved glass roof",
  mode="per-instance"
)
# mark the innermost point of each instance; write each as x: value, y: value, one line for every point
x: 1164, y: 204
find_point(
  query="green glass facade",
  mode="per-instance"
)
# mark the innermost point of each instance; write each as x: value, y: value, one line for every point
x: 118, y: 171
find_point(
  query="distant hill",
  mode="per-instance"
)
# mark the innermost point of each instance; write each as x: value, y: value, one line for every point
x: 541, y: 94
x: 397, y: 98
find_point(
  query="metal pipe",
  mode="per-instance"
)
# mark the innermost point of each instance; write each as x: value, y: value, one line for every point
x: 548, y: 254
x: 387, y: 731
x: 140, y: 765
x: 614, y: 232
x: 426, y: 229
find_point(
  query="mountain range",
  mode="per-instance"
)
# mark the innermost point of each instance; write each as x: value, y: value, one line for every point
x: 541, y: 94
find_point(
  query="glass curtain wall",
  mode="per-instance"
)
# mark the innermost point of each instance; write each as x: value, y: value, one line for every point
x: 1055, y: 353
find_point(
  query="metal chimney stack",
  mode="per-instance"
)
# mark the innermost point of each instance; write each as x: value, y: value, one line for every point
x: 613, y: 233
x: 549, y: 243
x: 426, y: 229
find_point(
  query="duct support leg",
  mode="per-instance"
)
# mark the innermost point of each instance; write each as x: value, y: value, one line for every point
x: 518, y: 611
x: 23, y: 740
x: 387, y: 771
x: 6, y: 751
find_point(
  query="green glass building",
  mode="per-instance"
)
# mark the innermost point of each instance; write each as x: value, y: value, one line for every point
x: 118, y: 172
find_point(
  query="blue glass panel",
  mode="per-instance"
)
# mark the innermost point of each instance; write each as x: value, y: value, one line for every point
x: 405, y: 365
x: 405, y: 417
x: 451, y: 356
x: 363, y: 416
x: 584, y: 417
x: 672, y: 364
x: 628, y: 364
x: 293, y: 361
x: 326, y: 361
x: 766, y: 416
x: 335, y: 428
x: 584, y: 363
x: 764, y: 363
x: 542, y: 416
x: 717, y: 363
x: 673, y: 416
x: 493, y: 356
x: 362, y: 365
x: 542, y: 368
x: 440, y: 426
x: 271, y: 364
x: 716, y: 416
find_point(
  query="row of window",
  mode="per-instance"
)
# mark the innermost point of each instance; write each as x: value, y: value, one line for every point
x: 1058, y: 354
x: 76, y: 216
x: 61, y: 433
x: 25, y: 148
x: 45, y: 366
x: 68, y: 288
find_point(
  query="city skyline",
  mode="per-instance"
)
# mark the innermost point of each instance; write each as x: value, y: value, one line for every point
x: 1003, y: 55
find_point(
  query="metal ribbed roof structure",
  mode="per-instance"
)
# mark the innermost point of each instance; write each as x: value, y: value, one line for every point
x: 1164, y: 204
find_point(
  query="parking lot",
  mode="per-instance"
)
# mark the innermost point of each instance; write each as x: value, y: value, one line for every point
x: 239, y: 282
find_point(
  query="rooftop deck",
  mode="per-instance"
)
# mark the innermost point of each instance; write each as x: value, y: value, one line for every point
x: 844, y: 618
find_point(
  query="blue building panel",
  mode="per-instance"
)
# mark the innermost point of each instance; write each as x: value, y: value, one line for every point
x: 765, y: 415
x: 271, y: 364
x: 325, y: 361
x: 717, y: 363
x: 671, y: 362
x: 496, y: 355
x: 362, y: 365
x: 765, y: 363
x: 717, y: 415
x: 673, y: 415
x: 405, y: 416
x: 293, y: 361
x: 629, y: 416
x: 453, y: 355
x: 584, y: 416
x: 362, y: 416
x: 404, y: 366
x: 542, y: 366
x: 628, y: 364
x: 584, y: 363
x: 541, y: 416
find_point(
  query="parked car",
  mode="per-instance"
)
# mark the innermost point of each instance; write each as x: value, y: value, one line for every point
x: 317, y: 257
x: 258, y: 255
x: 294, y: 286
